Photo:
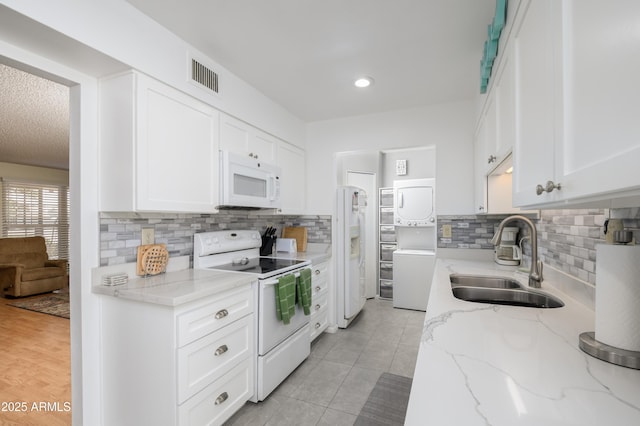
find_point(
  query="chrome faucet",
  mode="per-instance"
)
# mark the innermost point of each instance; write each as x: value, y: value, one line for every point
x: 535, y: 275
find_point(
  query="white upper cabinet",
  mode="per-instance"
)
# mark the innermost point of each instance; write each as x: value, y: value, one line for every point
x: 158, y: 148
x: 238, y: 136
x: 598, y: 148
x: 291, y: 160
x: 577, y: 67
x: 533, y: 159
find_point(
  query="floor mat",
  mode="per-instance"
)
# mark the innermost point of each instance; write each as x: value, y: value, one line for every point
x: 387, y: 402
x: 56, y: 304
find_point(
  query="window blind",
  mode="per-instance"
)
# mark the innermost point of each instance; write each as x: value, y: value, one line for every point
x: 30, y: 209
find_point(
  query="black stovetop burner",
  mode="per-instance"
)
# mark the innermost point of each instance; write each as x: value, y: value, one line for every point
x: 259, y: 265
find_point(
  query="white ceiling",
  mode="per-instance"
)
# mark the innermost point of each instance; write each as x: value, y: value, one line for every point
x: 34, y: 120
x: 303, y: 54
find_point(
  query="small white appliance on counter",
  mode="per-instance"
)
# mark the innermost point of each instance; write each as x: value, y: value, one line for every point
x: 286, y: 245
x: 350, y: 253
x: 280, y: 347
x: 416, y: 233
x: 246, y: 182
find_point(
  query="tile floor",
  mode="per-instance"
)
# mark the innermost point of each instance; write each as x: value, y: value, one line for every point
x: 331, y: 386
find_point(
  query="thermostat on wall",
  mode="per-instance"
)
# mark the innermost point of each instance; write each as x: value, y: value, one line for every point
x: 401, y: 167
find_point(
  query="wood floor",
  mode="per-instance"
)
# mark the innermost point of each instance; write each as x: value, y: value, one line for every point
x: 35, y: 368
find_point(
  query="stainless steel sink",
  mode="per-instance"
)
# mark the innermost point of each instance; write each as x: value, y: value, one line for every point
x: 483, y: 281
x: 500, y: 291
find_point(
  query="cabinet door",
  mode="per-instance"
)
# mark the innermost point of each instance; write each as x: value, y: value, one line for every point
x: 600, y: 145
x: 533, y: 160
x: 480, y: 170
x: 293, y: 180
x: 505, y: 94
x: 177, y: 150
x: 238, y: 136
x: 489, y: 125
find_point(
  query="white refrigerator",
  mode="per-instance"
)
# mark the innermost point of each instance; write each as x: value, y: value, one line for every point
x: 350, y: 253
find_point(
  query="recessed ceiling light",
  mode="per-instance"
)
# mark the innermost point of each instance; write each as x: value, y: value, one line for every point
x: 363, y: 82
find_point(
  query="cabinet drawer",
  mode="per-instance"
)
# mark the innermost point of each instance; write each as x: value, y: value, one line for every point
x: 319, y: 323
x: 319, y: 303
x: 386, y: 270
x: 203, y: 361
x: 218, y: 401
x: 387, y: 233
x: 386, y: 197
x: 320, y: 270
x: 386, y: 252
x: 386, y: 289
x: 199, y: 322
x: 319, y: 287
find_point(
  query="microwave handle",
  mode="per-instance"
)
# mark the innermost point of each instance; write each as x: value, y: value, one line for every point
x: 275, y: 190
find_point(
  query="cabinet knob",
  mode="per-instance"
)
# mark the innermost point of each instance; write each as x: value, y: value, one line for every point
x: 317, y: 307
x: 318, y: 288
x: 481, y: 208
x: 222, y: 349
x: 317, y: 271
x: 491, y: 159
x: 222, y: 313
x: 221, y: 398
x: 251, y: 154
x: 317, y: 325
x: 549, y: 187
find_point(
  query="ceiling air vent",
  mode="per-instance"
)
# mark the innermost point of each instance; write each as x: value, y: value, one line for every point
x: 203, y: 75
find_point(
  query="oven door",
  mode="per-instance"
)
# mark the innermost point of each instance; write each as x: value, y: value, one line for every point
x: 272, y: 331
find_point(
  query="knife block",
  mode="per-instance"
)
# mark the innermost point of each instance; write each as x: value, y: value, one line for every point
x: 266, y: 249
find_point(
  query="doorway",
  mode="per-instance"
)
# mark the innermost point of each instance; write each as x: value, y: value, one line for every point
x: 38, y: 345
x: 369, y: 182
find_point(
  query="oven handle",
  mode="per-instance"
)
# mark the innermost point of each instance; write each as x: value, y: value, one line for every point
x: 274, y: 281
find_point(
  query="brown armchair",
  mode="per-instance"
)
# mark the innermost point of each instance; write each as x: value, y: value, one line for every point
x: 25, y: 268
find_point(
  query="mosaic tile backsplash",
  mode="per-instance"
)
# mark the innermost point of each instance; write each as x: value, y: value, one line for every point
x: 567, y: 239
x: 120, y: 233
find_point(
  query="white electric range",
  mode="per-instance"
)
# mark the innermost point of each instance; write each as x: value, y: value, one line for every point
x: 280, y: 347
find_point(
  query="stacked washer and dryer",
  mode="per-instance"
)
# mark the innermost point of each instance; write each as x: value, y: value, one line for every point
x: 415, y: 222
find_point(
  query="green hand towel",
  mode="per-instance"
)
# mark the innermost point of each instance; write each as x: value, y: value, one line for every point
x: 286, y: 298
x: 304, y: 290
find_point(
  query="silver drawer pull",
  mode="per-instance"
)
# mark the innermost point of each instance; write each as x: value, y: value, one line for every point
x: 317, y: 307
x: 222, y: 313
x: 318, y: 288
x: 222, y: 398
x: 222, y: 349
x: 317, y: 271
x: 317, y: 325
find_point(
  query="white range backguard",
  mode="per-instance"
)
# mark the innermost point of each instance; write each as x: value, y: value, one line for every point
x: 350, y: 254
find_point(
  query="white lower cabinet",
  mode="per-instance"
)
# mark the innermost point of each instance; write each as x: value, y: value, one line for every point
x: 188, y: 365
x: 319, y: 319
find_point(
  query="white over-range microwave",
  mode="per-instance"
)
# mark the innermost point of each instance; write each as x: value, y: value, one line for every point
x: 246, y: 182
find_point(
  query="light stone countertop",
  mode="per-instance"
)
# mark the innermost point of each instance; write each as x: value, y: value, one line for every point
x: 176, y: 287
x: 481, y: 364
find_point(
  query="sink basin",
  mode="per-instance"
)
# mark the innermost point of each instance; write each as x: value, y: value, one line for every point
x: 502, y: 296
x: 499, y: 291
x: 483, y: 281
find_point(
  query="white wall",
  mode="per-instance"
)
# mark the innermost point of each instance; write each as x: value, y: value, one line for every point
x: 448, y: 127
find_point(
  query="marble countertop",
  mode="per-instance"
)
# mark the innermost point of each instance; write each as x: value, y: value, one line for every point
x: 481, y: 364
x: 176, y: 287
